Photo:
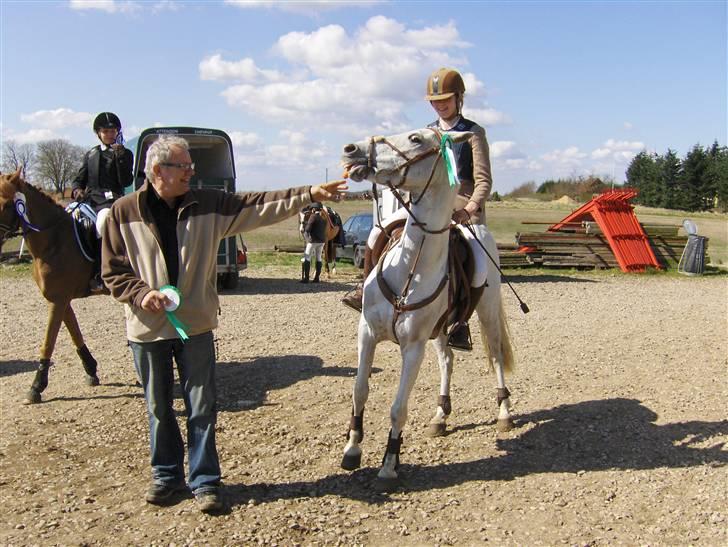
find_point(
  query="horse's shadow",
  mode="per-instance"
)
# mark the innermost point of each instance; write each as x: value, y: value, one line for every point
x: 243, y: 385
x: 264, y: 285
x: 588, y: 436
x: 12, y: 367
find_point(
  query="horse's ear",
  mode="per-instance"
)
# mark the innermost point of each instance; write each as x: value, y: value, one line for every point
x: 461, y: 136
x: 15, y: 178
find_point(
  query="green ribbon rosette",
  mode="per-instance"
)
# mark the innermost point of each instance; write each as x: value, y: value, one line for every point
x: 449, y: 156
x: 175, y: 301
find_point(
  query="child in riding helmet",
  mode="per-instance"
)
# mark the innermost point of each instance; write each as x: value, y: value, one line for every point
x: 445, y: 91
x: 105, y: 171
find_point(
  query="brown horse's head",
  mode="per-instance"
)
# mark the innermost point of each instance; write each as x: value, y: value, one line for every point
x: 9, y: 221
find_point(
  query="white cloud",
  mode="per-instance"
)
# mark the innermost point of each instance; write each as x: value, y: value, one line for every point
x: 293, y: 150
x: 215, y: 67
x: 617, y: 149
x: 486, y: 116
x: 505, y: 149
x: 240, y: 139
x: 568, y: 156
x: 310, y: 7
x: 58, y: 118
x: 109, y: 6
x: 627, y: 125
x: 360, y: 82
x: 30, y: 136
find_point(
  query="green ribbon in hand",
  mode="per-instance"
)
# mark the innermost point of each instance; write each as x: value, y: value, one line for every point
x: 175, y: 297
x: 449, y: 156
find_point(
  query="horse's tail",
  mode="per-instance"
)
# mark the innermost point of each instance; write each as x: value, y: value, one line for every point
x: 502, y: 338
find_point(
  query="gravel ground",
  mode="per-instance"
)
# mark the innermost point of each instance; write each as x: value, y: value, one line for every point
x: 619, y: 398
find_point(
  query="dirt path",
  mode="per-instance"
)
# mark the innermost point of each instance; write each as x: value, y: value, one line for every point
x: 619, y: 396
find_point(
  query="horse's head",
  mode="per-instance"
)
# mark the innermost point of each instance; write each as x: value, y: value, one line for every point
x: 408, y: 161
x: 9, y: 221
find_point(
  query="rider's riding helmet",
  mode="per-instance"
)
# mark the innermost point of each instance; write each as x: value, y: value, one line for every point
x: 317, y: 205
x: 107, y: 120
x: 443, y: 84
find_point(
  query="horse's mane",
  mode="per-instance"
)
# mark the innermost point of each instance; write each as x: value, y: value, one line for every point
x: 7, y: 193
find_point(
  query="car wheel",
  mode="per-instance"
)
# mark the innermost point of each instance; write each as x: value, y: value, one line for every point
x: 359, y: 258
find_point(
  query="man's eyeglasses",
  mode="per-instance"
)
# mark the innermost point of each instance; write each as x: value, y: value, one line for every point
x: 183, y: 166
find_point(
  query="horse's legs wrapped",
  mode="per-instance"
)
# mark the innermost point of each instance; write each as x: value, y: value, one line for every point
x: 89, y: 363
x: 438, y: 424
x: 412, y: 355
x: 366, y: 346
x: 56, y: 313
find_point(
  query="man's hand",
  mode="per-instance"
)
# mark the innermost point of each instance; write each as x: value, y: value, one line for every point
x: 154, y: 301
x: 331, y: 191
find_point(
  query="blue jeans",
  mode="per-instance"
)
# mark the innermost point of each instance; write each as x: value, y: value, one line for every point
x: 195, y: 360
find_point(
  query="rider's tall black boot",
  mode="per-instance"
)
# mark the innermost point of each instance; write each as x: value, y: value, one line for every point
x: 318, y: 272
x: 305, y: 271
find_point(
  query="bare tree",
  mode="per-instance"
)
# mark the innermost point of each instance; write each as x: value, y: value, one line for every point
x: 16, y: 155
x: 58, y: 162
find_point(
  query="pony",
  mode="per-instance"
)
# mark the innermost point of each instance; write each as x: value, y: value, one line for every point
x: 333, y: 230
x: 59, y: 268
x: 415, y: 272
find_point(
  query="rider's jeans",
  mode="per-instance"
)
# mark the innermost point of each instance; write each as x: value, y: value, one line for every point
x: 195, y: 360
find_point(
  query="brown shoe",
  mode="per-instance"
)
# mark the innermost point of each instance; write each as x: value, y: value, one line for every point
x: 459, y: 337
x: 353, y: 299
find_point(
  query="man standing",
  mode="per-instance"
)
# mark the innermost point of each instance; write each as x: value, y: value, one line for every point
x: 165, y: 236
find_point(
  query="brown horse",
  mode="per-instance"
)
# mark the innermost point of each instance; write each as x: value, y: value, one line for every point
x: 59, y: 268
x: 332, y: 234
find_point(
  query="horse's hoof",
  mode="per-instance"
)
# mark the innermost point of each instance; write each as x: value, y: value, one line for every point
x: 351, y: 462
x: 504, y: 424
x: 436, y: 430
x: 32, y: 398
x: 92, y: 380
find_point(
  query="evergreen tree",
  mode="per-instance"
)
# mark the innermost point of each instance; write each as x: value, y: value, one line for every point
x: 669, y: 172
x: 716, y: 176
x: 642, y: 175
x: 693, y: 195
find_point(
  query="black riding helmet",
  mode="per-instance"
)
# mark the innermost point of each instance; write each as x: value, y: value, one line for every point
x: 106, y: 120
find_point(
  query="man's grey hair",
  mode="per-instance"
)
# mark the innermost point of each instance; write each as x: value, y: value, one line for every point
x: 160, y: 151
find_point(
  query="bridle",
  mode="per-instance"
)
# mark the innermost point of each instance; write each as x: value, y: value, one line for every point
x: 402, y: 170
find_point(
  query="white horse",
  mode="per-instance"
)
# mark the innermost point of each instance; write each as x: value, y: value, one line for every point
x: 416, y: 269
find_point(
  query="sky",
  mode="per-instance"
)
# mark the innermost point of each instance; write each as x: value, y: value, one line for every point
x: 564, y: 89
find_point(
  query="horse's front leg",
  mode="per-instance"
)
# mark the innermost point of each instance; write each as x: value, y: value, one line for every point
x: 56, y: 312
x: 412, y: 355
x: 366, y: 345
x: 438, y: 424
x: 89, y: 363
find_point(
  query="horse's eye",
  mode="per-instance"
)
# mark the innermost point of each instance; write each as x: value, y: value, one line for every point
x: 415, y: 138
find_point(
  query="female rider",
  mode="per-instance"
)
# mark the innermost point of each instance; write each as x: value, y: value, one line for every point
x: 445, y: 91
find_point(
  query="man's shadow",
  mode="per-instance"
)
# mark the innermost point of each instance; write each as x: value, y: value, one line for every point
x: 587, y: 436
x: 243, y: 385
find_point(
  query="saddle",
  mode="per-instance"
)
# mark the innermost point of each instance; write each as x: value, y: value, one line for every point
x: 461, y: 299
x: 84, y: 230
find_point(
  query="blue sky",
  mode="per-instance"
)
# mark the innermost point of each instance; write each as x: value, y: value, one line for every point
x: 563, y: 88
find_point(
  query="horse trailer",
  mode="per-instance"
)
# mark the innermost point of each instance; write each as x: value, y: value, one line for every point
x: 212, y: 153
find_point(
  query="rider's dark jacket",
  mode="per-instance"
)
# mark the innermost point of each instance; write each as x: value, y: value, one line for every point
x: 316, y: 228
x: 473, y: 161
x: 104, y: 171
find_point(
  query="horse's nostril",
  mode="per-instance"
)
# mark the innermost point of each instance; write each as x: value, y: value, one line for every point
x: 349, y: 148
